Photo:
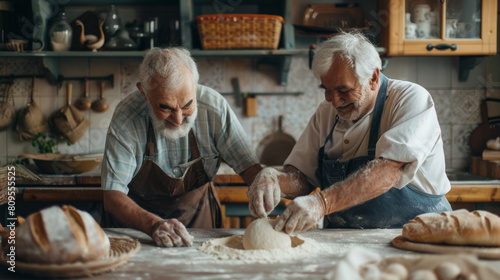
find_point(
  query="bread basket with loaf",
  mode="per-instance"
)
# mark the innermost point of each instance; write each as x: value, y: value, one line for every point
x: 65, y: 242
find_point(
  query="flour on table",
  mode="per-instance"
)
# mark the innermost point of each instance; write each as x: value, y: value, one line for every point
x: 262, y: 243
x: 232, y: 248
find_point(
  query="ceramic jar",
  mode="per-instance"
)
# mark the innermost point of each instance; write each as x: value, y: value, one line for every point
x: 451, y: 28
x: 422, y: 17
x: 112, y: 23
x: 410, y: 28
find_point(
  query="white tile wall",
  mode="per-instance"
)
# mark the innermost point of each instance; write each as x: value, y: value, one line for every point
x: 434, y: 72
x: 457, y: 103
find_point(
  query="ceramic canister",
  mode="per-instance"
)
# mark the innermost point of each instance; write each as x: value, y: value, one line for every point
x: 410, y: 28
x: 422, y: 17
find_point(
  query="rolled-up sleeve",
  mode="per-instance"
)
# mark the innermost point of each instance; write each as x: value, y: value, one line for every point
x: 119, y: 162
x: 304, y: 155
x: 412, y: 132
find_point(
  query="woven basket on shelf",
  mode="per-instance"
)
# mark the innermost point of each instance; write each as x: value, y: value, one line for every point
x: 239, y: 31
x: 16, y: 171
x: 4, y: 185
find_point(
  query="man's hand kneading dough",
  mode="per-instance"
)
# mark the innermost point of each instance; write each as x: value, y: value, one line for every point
x: 302, y: 214
x: 171, y: 232
x: 264, y: 194
x: 271, y: 184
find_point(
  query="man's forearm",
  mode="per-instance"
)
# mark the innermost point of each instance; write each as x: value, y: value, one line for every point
x: 128, y: 212
x: 249, y: 174
x: 376, y: 178
x: 293, y: 183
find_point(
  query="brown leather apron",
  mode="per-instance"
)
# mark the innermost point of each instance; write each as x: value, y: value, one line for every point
x: 191, y: 199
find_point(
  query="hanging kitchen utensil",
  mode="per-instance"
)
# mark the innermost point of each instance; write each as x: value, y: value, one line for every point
x: 100, y: 105
x: 7, y: 112
x: 275, y: 147
x: 83, y: 103
x: 30, y: 120
x: 68, y: 121
x: 484, y: 132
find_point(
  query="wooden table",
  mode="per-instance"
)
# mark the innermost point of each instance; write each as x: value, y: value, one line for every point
x: 153, y: 262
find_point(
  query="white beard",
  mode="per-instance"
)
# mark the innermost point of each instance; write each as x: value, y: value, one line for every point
x: 359, y: 105
x: 169, y: 132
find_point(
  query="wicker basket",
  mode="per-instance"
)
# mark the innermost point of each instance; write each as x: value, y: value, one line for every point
x: 19, y: 171
x: 4, y: 185
x: 239, y: 31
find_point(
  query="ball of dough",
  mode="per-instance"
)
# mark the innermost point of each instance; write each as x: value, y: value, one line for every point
x: 472, y: 276
x: 260, y: 234
x: 447, y: 270
x: 398, y: 270
x: 423, y: 275
x: 387, y: 276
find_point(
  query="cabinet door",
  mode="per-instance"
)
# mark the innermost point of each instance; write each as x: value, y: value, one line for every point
x: 439, y: 27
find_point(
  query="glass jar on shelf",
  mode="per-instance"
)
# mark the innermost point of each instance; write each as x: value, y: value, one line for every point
x: 60, y: 32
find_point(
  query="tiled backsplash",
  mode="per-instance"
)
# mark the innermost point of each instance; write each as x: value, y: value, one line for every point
x: 457, y: 103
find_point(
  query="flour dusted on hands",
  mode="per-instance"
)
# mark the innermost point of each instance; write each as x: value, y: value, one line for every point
x: 260, y: 234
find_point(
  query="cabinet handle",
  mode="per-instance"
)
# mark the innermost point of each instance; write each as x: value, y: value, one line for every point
x: 441, y: 47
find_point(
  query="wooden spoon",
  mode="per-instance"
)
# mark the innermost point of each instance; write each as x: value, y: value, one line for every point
x: 83, y: 103
x: 100, y: 105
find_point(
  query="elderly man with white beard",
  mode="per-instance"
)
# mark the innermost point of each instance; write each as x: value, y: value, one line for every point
x: 164, y: 146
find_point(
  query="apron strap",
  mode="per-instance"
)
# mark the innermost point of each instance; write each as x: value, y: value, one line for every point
x: 195, y: 153
x: 377, y: 115
x: 329, y: 137
x: 150, y: 145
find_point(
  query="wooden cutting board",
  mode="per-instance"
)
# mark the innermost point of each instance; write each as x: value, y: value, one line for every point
x: 480, y: 251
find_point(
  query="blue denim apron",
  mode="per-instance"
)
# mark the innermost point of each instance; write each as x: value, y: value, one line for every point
x: 392, y: 209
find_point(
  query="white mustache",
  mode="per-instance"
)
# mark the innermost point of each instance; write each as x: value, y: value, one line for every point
x: 345, y: 105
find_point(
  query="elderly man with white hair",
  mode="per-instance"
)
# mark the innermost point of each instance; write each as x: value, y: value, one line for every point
x: 164, y: 146
x: 373, y: 147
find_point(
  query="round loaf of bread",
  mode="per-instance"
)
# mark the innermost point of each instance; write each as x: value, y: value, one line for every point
x: 58, y: 235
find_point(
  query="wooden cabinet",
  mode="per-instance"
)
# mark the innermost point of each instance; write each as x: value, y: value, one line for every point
x: 438, y: 27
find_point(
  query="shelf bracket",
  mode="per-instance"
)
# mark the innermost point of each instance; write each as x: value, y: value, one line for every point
x: 285, y: 62
x: 239, y: 96
x: 109, y: 78
x: 51, y: 70
x: 465, y: 64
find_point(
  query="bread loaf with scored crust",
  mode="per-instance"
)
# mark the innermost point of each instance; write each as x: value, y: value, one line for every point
x: 459, y: 227
x: 59, y: 235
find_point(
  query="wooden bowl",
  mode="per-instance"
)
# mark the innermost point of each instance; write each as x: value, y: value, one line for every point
x: 64, y: 163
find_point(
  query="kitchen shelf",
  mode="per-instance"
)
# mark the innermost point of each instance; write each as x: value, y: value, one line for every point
x: 188, y: 10
x: 194, y: 52
x: 51, y: 65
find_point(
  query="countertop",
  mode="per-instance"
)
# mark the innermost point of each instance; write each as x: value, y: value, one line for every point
x: 153, y: 262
